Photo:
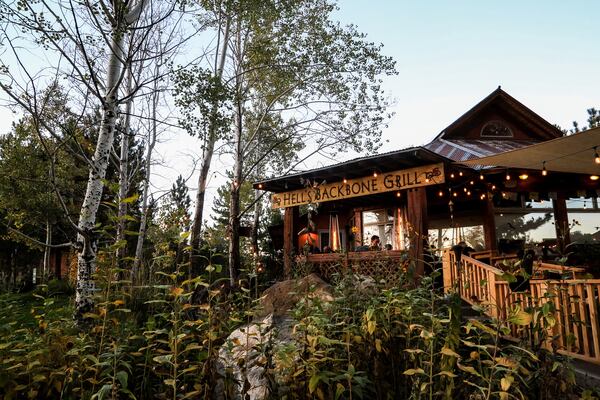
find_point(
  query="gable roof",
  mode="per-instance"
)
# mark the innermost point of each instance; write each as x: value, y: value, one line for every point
x: 542, y: 129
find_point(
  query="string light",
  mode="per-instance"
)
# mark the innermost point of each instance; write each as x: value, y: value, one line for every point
x: 375, y: 174
x: 460, y: 173
x: 345, y: 180
x: 455, y: 194
x: 427, y: 180
x: 468, y: 193
x: 596, y: 156
x: 481, y: 176
x: 260, y: 186
x: 465, y: 190
x: 397, y: 194
x: 472, y: 183
x: 544, y: 170
x: 594, y: 177
x: 482, y: 196
x: 493, y: 187
x: 523, y: 176
x: 452, y: 175
x: 507, y: 176
x: 441, y: 194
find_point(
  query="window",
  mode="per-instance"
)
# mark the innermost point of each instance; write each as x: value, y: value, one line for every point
x: 584, y: 220
x: 496, y: 129
x: 380, y: 223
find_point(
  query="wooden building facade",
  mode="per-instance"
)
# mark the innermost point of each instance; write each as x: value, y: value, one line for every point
x: 425, y: 196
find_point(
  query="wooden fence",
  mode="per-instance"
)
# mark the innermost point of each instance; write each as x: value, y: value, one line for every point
x: 575, y: 301
x: 387, y: 265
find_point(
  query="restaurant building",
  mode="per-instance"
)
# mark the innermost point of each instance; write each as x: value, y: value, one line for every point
x: 429, y: 196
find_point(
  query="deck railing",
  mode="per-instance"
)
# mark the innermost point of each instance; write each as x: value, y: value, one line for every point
x: 576, y: 331
x: 387, y: 265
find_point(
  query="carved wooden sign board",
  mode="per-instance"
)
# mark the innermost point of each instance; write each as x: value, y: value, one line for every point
x: 384, y: 182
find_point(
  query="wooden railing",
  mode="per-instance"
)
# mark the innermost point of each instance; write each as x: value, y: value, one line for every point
x: 387, y: 265
x: 576, y: 302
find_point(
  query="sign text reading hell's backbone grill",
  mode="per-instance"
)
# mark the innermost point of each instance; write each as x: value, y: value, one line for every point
x: 384, y: 182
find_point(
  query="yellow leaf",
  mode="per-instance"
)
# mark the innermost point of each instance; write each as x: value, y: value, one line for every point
x: 474, y: 355
x: 520, y: 317
x: 378, y: 345
x: 506, y: 382
x: 503, y: 395
x: 506, y: 362
x: 118, y: 302
x: 176, y: 291
x: 468, y: 369
x: 449, y: 352
x: 414, y: 371
x: 448, y: 374
x: 371, y: 326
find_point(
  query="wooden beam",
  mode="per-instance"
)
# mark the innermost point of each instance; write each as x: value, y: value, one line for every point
x: 290, y: 222
x: 489, y: 225
x: 358, y: 223
x: 417, y: 219
x: 561, y: 220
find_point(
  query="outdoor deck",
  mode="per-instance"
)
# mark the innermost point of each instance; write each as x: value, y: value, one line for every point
x: 575, y: 302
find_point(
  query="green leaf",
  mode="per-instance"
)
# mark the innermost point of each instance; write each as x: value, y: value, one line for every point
x: 339, y: 390
x: 131, y: 199
x: 313, y: 382
x: 122, y: 378
x: 163, y: 359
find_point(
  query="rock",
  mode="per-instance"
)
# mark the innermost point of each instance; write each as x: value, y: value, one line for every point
x: 247, y: 363
x: 283, y: 296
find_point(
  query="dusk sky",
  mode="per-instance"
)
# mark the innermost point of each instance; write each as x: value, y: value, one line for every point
x: 450, y: 55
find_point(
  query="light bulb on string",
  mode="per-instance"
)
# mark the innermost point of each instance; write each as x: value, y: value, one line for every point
x: 375, y: 174
x: 452, y: 175
x: 345, y: 180
x: 596, y: 156
x: 460, y: 173
x: 507, y: 176
x: 481, y: 176
x: 544, y: 170
x: 441, y: 193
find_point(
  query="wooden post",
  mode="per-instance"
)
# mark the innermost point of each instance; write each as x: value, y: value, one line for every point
x: 489, y: 225
x: 561, y: 221
x: 290, y: 219
x: 417, y: 219
x: 358, y: 222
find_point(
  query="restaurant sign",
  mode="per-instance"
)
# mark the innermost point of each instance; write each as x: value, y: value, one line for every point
x: 373, y: 184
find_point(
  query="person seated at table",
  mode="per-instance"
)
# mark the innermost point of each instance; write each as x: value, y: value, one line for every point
x: 375, y: 243
x: 388, y: 247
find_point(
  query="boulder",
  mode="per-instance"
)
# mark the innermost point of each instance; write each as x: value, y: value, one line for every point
x: 247, y: 364
x: 284, y: 295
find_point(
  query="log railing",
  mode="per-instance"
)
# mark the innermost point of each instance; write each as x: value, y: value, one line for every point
x: 576, y: 302
x: 387, y: 265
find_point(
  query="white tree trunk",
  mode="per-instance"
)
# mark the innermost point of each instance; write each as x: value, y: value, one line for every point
x: 86, y: 260
x: 124, y: 170
x: 139, y: 248
x: 205, y: 165
x: 47, y: 250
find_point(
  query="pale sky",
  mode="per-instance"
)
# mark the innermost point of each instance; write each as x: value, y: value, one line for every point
x: 450, y: 55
